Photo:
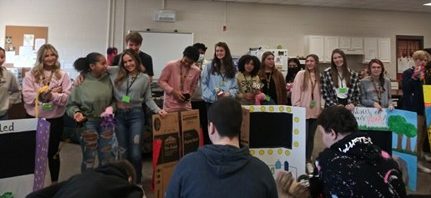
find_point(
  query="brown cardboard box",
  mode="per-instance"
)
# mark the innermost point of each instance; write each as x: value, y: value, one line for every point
x: 166, y: 150
x: 191, y: 135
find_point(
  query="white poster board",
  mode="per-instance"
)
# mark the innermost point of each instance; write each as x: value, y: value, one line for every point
x: 286, y: 159
x: 164, y: 47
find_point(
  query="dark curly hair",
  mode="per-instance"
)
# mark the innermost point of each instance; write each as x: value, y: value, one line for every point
x: 247, y: 59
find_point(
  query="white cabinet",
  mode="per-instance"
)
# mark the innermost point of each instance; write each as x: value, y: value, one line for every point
x: 331, y: 43
x: 357, y: 43
x: 379, y: 48
x: 315, y: 45
x: 370, y: 49
x: 352, y: 45
x: 384, y: 45
x: 322, y: 46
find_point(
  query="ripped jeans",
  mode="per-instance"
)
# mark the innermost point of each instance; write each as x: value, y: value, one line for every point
x: 130, y: 126
x: 96, y: 140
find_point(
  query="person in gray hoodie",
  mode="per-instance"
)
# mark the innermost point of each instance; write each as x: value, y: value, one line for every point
x: 224, y: 169
x: 9, y: 88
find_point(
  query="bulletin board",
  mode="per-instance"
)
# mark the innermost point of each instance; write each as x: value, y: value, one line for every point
x: 16, y: 35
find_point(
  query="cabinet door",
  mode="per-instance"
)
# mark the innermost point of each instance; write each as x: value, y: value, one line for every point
x: 357, y: 43
x: 370, y: 49
x: 315, y: 45
x: 331, y: 43
x: 344, y: 42
x: 384, y: 46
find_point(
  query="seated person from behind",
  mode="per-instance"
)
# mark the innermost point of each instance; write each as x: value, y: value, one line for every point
x: 115, y: 179
x: 223, y: 169
x: 351, y: 165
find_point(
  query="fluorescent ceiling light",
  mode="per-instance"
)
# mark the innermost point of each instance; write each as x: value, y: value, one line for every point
x: 427, y: 4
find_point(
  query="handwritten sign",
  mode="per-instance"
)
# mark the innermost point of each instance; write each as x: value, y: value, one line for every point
x: 371, y: 119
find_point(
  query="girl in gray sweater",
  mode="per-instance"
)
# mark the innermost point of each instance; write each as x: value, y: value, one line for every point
x: 376, y: 88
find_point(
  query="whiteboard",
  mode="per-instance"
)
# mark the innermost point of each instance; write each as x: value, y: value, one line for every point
x: 164, y: 47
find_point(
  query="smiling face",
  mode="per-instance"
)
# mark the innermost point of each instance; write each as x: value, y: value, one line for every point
x: 129, y: 63
x: 49, y: 58
x: 220, y: 52
x: 338, y: 59
x: 99, y: 67
x: 310, y: 63
x: 376, y: 70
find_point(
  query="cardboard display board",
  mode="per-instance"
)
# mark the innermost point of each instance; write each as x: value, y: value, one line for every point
x: 22, y: 167
x: 174, y: 135
x: 286, y: 148
x: 166, y: 150
x: 191, y: 135
x: 403, y: 125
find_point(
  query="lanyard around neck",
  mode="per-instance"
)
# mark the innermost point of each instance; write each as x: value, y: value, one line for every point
x: 129, y: 86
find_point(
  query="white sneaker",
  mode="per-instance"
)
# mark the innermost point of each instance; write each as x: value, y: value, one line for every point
x: 423, y: 168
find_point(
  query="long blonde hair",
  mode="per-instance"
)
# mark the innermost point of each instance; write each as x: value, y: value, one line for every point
x: 307, y: 76
x: 37, y: 70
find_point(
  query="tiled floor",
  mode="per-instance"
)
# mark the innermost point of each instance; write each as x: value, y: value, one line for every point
x: 71, y: 158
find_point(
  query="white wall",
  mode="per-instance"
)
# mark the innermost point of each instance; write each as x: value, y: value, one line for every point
x: 79, y: 26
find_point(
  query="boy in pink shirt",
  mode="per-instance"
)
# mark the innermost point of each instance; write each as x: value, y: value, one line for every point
x: 179, y: 80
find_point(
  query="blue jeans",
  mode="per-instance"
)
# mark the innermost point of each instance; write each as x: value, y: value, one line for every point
x: 96, y: 140
x: 130, y: 126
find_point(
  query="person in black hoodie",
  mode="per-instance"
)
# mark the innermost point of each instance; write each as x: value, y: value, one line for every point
x: 223, y: 169
x: 116, y: 179
x: 351, y: 165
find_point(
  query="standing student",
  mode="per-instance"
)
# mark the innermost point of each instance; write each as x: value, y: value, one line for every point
x: 248, y: 80
x: 274, y: 85
x: 293, y: 67
x: 9, y: 88
x: 340, y: 84
x: 179, y: 80
x: 88, y: 103
x: 306, y: 93
x: 134, y: 42
x: 46, y: 89
x: 413, y: 99
x: 376, y: 88
x: 131, y: 89
x: 218, y: 80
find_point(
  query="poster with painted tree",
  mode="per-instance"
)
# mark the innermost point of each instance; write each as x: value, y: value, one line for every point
x: 403, y: 125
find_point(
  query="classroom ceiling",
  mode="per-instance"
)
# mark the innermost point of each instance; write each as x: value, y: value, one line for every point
x: 394, y: 5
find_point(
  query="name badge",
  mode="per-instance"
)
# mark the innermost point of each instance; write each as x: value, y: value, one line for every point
x: 312, y: 104
x: 125, y: 99
x: 342, y: 90
x: 47, y: 106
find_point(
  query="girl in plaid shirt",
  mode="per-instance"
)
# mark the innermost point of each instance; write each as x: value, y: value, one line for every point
x: 340, y: 84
